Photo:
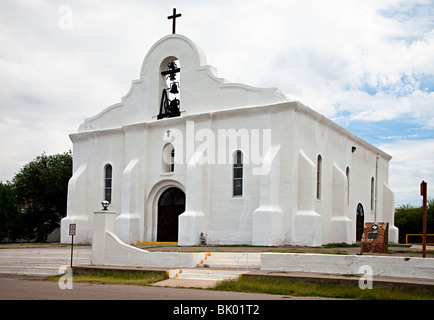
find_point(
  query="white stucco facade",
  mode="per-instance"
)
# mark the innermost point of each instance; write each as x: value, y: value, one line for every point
x: 302, y: 179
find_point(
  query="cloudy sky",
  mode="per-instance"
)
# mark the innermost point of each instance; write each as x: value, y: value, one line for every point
x: 367, y: 65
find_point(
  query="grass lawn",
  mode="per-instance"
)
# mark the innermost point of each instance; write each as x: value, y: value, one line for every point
x: 114, y: 277
x: 300, y: 288
x: 268, y: 285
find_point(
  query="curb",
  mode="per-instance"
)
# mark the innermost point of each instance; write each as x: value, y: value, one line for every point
x: 350, y: 280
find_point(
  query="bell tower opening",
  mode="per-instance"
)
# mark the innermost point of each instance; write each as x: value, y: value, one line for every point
x: 170, y: 88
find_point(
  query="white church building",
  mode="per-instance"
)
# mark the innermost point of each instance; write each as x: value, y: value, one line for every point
x: 187, y: 153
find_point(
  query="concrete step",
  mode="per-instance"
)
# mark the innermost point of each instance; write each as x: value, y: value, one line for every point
x: 30, y: 271
x: 41, y: 262
x: 230, y: 264
x: 235, y: 255
x: 44, y: 255
x: 232, y: 260
x: 36, y: 257
x: 206, y: 274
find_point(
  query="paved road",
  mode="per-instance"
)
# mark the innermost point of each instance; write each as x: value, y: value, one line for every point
x: 17, y: 288
x: 172, y: 303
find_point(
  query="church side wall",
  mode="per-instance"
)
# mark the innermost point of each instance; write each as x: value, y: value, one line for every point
x: 316, y: 136
x: 230, y: 218
x: 95, y: 150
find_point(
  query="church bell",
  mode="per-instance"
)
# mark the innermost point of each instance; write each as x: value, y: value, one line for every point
x: 174, y: 106
x: 172, y: 65
x: 174, y: 88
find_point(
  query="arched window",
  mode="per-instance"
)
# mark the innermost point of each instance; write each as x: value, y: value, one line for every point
x: 318, y: 177
x: 108, y: 183
x: 372, y: 194
x: 168, y: 163
x: 172, y: 160
x: 237, y: 174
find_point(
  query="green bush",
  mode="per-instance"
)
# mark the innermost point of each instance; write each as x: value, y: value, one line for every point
x: 408, y: 219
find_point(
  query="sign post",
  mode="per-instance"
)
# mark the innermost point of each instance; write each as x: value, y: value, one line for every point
x: 72, y: 230
x: 423, y: 193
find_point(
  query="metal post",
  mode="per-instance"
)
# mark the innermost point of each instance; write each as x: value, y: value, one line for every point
x: 72, y: 231
x: 423, y: 193
x: 72, y: 248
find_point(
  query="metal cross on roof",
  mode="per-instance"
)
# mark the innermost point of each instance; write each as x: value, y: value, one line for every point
x: 174, y: 16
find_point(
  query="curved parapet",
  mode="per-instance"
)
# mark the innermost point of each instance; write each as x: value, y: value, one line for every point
x: 201, y: 89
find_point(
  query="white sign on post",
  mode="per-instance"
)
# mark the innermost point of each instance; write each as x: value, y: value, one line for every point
x: 72, y: 229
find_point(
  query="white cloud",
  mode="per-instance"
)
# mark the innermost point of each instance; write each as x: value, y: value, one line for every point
x: 417, y: 105
x: 412, y: 162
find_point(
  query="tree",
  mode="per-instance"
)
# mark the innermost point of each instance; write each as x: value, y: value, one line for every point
x: 10, y: 215
x: 408, y: 219
x: 41, y: 190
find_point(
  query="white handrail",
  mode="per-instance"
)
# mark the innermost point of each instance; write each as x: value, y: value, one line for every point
x: 174, y: 255
x: 247, y: 259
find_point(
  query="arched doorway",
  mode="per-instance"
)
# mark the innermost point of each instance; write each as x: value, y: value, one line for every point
x: 170, y: 205
x: 360, y: 222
